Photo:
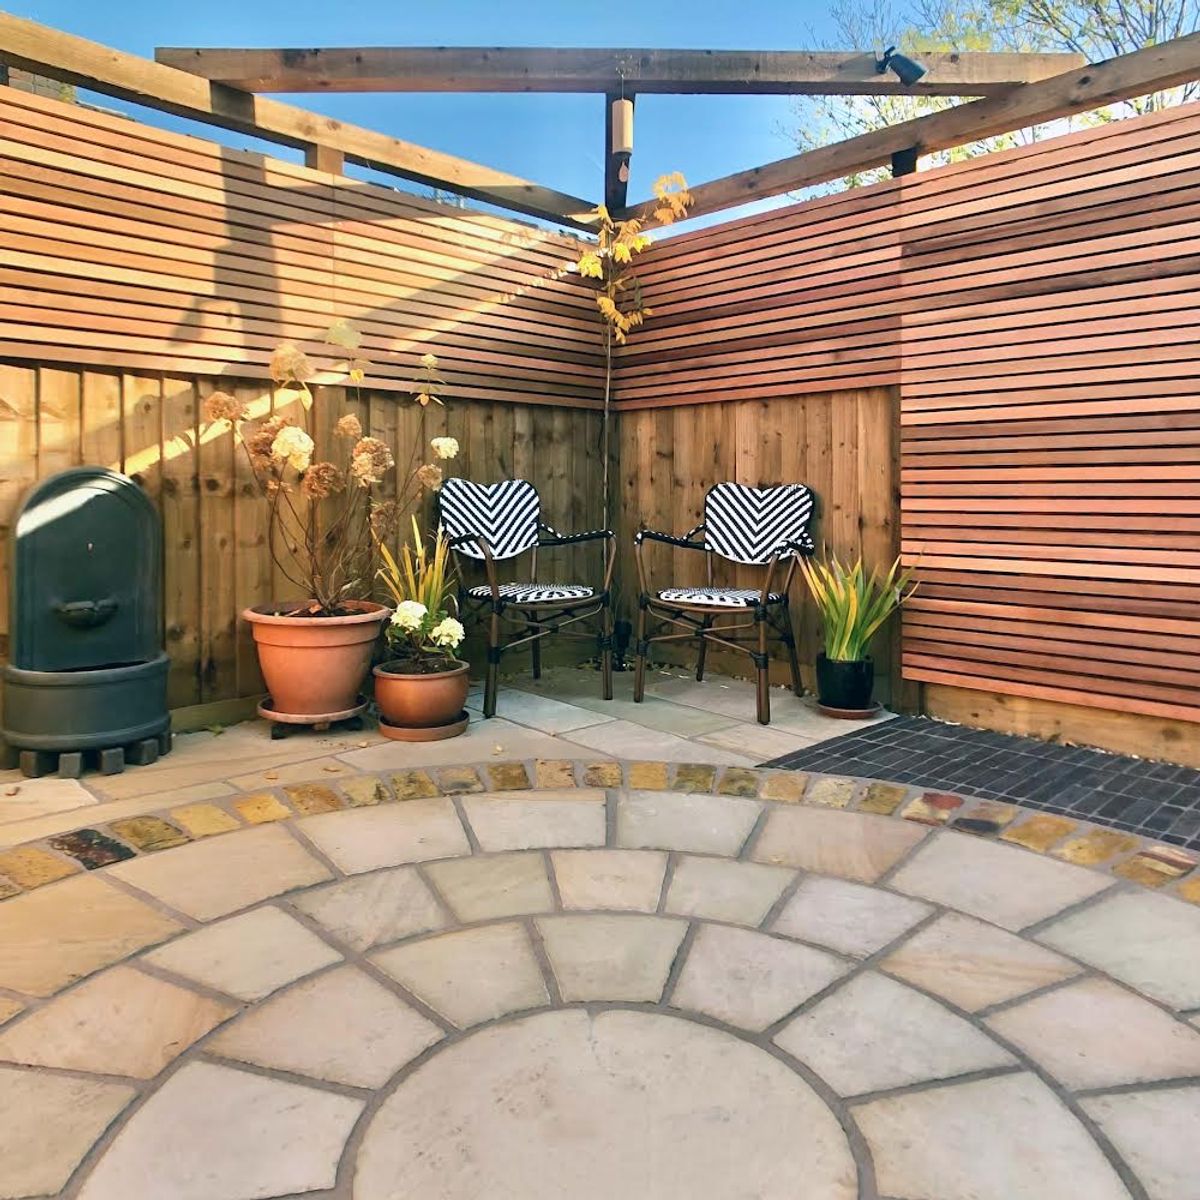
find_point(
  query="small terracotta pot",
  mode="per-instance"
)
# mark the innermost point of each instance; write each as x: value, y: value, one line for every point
x: 314, y: 666
x: 421, y: 701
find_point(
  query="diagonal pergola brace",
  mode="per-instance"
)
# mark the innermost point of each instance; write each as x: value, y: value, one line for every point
x: 62, y: 56
x: 1138, y: 73
x: 538, y: 69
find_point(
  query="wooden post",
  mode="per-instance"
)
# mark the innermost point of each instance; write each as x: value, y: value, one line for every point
x: 325, y: 158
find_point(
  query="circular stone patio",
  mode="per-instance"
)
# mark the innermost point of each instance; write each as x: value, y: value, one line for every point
x: 595, y: 993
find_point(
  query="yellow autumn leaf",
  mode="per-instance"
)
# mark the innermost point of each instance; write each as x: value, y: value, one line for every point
x: 621, y: 253
x: 590, y: 266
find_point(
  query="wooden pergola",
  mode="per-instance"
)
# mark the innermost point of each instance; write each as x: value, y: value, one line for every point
x: 225, y: 87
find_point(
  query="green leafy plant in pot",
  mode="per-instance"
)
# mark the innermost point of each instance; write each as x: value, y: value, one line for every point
x: 421, y: 690
x: 853, y: 607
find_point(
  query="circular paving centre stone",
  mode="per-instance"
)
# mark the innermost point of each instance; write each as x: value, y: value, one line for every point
x: 594, y: 1107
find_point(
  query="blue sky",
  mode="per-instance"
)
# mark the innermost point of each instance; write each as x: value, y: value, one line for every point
x: 555, y: 140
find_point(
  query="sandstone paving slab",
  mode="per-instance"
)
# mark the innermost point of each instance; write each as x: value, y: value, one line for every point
x: 211, y: 879
x: 44, y: 798
x: 749, y: 979
x: 850, y: 845
x: 685, y: 821
x: 494, y: 885
x: 365, y: 839
x: 725, y: 890
x: 543, y: 713
x: 47, y: 1124
x: 1156, y: 1133
x: 874, y: 1033
x: 9, y: 1008
x: 612, y: 879
x: 1003, y: 884
x: 1094, y: 1034
x: 484, y: 741
x: 370, y: 910
x: 574, y: 818
x: 594, y: 1107
x: 341, y: 1026
x: 620, y: 957
x: 628, y: 739
x: 760, y: 742
x: 850, y: 918
x: 1148, y: 941
x: 247, y: 956
x: 1004, y: 1138
x: 975, y: 965
x: 216, y: 1133
x: 120, y: 1022
x: 472, y: 975
x: 61, y: 932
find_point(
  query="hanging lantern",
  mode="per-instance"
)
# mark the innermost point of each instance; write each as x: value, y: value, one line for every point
x: 622, y: 127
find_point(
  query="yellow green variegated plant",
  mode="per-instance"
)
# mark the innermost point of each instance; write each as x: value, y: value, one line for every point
x: 421, y: 629
x: 853, y: 604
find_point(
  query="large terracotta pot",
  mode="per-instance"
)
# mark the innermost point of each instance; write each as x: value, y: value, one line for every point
x: 432, y: 702
x: 315, y: 666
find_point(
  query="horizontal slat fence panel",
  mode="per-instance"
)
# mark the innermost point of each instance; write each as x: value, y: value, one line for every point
x: 1035, y: 311
x: 127, y: 246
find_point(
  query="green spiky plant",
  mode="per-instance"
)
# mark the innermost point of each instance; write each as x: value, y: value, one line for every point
x: 854, y: 605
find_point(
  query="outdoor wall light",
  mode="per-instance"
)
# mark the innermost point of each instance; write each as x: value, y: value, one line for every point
x: 906, y: 69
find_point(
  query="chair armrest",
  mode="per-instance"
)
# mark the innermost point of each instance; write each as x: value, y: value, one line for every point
x: 567, y: 539
x: 670, y: 539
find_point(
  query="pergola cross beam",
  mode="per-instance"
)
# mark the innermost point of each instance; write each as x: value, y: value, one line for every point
x: 69, y: 59
x: 1152, y: 69
x: 640, y: 71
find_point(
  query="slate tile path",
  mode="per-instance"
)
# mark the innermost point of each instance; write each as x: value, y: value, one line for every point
x: 1153, y: 799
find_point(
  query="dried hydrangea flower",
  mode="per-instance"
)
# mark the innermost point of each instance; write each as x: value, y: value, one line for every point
x: 321, y: 481
x: 221, y: 406
x: 445, y: 447
x: 348, y: 426
x: 260, y: 441
x: 371, y: 461
x: 294, y: 446
x: 385, y: 519
x: 429, y: 361
x: 289, y: 364
x: 430, y: 476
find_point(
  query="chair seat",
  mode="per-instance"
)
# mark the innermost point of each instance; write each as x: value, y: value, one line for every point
x: 717, y: 597
x: 535, y: 593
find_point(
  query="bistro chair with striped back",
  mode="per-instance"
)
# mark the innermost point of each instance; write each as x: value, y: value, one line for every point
x: 487, y: 524
x: 765, y: 527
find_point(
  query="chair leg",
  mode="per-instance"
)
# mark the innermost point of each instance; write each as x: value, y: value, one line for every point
x: 703, y: 650
x: 606, y: 652
x: 639, y: 670
x: 493, y: 667
x: 789, y: 639
x: 535, y: 650
x: 763, y: 664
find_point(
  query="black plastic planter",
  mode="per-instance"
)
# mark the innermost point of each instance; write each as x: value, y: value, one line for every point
x: 845, y: 684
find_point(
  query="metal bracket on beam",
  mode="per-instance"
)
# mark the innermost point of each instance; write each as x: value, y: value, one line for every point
x: 904, y: 162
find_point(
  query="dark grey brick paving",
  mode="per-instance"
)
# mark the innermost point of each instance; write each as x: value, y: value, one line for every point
x: 1155, y: 799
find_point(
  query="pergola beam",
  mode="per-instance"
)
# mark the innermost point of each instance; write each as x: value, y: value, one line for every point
x: 50, y: 52
x: 1153, y: 69
x: 535, y: 69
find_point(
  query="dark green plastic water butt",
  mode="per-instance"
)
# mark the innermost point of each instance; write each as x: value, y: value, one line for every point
x: 86, y: 672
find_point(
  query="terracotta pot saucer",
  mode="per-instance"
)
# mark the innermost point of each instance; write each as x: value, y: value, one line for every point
x: 850, y: 714
x: 428, y: 733
x: 268, y: 713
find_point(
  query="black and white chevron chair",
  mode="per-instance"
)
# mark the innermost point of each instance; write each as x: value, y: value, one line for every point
x: 491, y: 523
x: 754, y: 526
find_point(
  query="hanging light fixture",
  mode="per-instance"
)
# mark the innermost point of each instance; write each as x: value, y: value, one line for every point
x: 622, y: 127
x: 906, y: 69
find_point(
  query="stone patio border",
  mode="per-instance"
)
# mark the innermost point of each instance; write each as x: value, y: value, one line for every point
x: 1128, y: 856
